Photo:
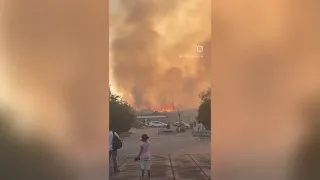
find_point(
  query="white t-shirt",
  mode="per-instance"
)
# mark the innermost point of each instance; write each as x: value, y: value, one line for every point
x: 145, y: 150
x: 111, y: 138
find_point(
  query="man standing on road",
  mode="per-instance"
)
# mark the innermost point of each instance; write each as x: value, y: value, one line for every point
x: 200, y: 129
x: 113, y: 152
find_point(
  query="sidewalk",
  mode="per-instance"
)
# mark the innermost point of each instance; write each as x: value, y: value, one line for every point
x: 168, y: 167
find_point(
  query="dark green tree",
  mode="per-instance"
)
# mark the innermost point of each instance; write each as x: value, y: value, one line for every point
x: 121, y: 114
x: 204, y: 110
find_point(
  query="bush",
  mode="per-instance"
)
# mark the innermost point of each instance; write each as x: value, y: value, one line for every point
x: 121, y: 114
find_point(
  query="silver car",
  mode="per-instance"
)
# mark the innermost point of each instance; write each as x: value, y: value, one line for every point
x: 157, y: 124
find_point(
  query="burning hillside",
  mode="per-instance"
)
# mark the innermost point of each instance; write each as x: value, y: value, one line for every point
x: 168, y: 108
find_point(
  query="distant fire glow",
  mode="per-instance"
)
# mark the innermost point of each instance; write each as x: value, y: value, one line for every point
x: 168, y: 108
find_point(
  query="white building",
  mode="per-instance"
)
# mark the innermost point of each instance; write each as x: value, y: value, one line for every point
x: 152, y: 117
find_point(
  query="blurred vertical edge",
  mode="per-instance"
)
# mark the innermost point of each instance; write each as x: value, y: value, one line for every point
x: 265, y: 65
x: 54, y: 74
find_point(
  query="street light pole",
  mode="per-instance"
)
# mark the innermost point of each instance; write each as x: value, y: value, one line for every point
x: 172, y: 102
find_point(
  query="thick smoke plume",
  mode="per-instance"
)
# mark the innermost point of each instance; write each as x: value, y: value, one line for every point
x: 153, y: 51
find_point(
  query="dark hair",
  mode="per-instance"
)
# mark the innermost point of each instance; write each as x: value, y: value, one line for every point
x: 144, y: 137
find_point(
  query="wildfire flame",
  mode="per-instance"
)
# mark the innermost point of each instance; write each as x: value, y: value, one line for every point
x: 168, y: 108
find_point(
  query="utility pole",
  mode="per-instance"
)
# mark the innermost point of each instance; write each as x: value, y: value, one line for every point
x: 172, y: 101
x: 142, y: 120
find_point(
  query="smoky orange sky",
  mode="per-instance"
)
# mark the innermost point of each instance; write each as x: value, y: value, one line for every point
x: 153, y: 55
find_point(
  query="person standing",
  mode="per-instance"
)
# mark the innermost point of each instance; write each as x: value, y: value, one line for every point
x: 201, y: 129
x: 144, y: 156
x: 113, y: 152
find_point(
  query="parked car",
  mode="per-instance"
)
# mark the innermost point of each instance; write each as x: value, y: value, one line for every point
x: 157, y: 124
x: 183, y: 123
x: 176, y: 123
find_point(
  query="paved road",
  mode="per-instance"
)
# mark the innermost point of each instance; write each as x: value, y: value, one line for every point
x: 168, y: 167
x: 182, y: 143
x: 174, y: 157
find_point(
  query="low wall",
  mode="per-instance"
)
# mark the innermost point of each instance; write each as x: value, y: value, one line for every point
x: 202, y: 134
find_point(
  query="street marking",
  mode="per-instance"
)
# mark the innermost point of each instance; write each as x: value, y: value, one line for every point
x: 198, y: 166
x: 174, y: 176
